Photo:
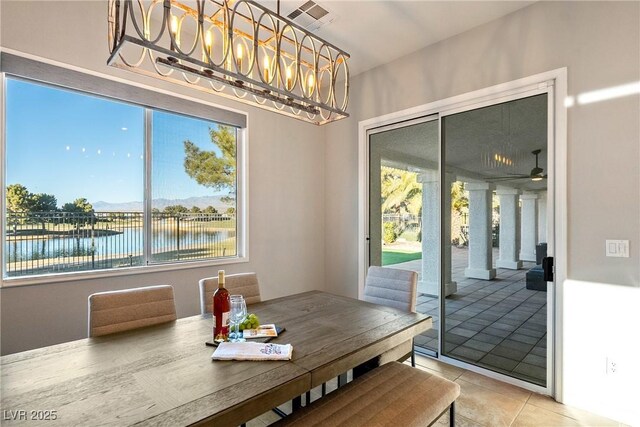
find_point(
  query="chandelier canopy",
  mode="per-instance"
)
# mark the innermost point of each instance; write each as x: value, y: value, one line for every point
x: 240, y: 50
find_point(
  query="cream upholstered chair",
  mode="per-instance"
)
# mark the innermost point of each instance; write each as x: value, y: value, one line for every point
x: 398, y: 289
x: 118, y: 311
x: 245, y: 284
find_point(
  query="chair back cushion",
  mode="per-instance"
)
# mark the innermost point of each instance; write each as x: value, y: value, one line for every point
x: 391, y: 287
x: 245, y: 284
x: 117, y: 311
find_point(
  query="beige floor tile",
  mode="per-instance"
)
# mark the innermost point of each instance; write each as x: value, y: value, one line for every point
x: 461, y: 421
x: 584, y: 417
x: 449, y: 372
x: 496, y: 385
x: 448, y: 376
x: 486, y: 406
x: 533, y: 416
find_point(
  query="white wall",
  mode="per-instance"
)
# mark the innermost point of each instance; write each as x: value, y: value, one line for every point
x: 602, y: 322
x: 599, y: 43
x: 286, y: 189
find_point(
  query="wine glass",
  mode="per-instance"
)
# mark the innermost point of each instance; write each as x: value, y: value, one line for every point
x: 237, y: 314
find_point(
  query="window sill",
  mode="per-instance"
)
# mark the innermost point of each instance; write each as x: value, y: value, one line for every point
x: 128, y: 271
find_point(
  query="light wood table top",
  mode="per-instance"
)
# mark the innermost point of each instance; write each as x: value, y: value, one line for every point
x: 164, y: 375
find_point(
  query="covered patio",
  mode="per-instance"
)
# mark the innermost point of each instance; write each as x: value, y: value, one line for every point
x: 498, y: 324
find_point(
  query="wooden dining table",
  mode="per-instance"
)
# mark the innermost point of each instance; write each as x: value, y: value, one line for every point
x: 164, y: 375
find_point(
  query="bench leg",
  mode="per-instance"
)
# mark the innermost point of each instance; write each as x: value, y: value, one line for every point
x: 280, y: 412
x: 324, y: 389
x: 413, y: 353
x: 452, y: 414
x: 307, y: 398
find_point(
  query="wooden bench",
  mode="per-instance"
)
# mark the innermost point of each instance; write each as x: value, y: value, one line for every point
x: 390, y: 395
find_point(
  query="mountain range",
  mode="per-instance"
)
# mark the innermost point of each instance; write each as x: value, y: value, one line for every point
x: 201, y: 202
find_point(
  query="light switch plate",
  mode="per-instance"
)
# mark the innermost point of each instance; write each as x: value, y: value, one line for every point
x: 617, y: 248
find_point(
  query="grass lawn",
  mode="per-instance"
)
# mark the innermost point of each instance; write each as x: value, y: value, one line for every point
x: 396, y: 257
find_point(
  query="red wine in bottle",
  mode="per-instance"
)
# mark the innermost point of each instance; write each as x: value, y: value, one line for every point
x: 221, y: 308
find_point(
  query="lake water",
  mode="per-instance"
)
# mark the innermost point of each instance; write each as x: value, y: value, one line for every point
x: 129, y: 243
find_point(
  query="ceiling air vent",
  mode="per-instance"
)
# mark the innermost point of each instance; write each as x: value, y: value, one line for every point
x: 311, y: 16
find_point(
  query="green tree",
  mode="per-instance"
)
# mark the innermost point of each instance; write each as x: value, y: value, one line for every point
x: 401, y: 192
x: 43, y: 203
x: 231, y: 211
x: 209, y: 169
x: 82, y: 212
x: 210, y: 210
x: 80, y: 205
x: 18, y: 198
x: 175, y: 210
x: 459, y: 202
x: 196, y: 210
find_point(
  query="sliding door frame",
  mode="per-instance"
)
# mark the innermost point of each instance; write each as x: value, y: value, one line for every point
x: 554, y: 83
x: 371, y: 132
x: 540, y: 89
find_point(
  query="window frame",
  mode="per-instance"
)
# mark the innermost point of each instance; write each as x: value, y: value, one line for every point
x: 31, y: 71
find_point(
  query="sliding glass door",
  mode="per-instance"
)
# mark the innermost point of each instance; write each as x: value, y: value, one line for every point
x: 495, y: 164
x: 404, y: 209
x: 463, y: 198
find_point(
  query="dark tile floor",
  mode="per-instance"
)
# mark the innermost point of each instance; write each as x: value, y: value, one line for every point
x: 496, y: 324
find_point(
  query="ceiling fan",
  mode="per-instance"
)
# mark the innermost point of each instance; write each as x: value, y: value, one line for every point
x: 536, y: 173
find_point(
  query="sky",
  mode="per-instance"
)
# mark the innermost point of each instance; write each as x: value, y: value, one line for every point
x: 72, y: 145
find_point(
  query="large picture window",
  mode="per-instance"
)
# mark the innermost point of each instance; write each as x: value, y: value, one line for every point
x: 92, y: 184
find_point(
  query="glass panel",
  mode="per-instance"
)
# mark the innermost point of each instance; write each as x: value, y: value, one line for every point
x: 193, y: 189
x: 495, y: 307
x: 404, y: 217
x: 74, y: 181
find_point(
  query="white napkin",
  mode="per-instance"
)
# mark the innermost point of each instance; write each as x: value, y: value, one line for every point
x: 252, y: 351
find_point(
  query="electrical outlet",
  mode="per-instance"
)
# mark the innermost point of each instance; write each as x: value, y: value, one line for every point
x: 612, y: 366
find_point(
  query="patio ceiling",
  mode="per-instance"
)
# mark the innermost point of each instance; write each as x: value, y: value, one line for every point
x: 519, y: 126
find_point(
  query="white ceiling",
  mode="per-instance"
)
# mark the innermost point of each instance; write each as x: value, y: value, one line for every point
x: 377, y: 32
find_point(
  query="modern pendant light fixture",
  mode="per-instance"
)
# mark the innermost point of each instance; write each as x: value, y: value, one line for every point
x: 237, y: 49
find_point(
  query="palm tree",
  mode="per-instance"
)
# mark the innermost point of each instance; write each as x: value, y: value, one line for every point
x: 401, y: 192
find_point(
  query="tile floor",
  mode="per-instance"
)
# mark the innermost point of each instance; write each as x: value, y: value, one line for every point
x: 487, y: 402
x: 496, y: 324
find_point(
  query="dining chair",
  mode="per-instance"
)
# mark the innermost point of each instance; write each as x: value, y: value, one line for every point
x: 395, y: 288
x: 118, y: 311
x: 245, y: 284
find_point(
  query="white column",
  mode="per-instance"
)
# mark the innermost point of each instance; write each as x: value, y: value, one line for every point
x: 529, y: 233
x: 509, y: 229
x: 480, y: 238
x: 542, y: 217
x: 430, y: 276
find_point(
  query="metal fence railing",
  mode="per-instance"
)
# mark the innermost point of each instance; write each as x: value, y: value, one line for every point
x: 50, y: 242
x: 404, y: 221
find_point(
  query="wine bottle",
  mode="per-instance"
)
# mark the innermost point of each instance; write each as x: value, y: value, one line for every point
x: 221, y: 308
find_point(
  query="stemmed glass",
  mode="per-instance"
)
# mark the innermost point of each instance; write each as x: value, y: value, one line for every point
x: 237, y: 315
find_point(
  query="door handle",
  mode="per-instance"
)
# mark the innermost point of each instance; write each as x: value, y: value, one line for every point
x: 547, y: 268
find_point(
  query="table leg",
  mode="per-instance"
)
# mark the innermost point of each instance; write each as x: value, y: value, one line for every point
x: 296, y: 403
